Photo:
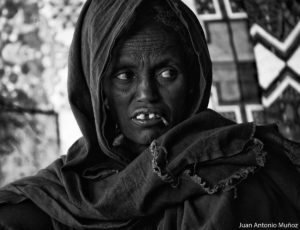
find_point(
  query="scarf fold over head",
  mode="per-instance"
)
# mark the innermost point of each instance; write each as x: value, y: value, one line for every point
x: 100, y: 25
x: 194, y: 163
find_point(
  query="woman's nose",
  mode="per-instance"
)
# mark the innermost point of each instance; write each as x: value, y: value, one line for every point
x: 146, y: 90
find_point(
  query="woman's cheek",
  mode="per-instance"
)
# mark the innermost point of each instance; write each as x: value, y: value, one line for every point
x: 120, y: 92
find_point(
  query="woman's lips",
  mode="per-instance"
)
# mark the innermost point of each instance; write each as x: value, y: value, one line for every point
x: 147, y: 118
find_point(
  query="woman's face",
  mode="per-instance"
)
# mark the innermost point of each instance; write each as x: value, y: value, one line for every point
x: 146, y: 86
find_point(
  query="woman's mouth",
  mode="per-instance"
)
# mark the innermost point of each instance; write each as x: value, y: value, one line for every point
x: 149, y: 119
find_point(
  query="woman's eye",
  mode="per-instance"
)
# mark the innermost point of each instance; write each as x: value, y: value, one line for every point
x: 124, y: 76
x: 168, y: 74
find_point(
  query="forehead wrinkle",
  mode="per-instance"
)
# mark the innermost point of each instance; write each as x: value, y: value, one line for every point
x: 145, y: 45
x: 142, y: 57
x: 150, y: 37
x: 147, y: 42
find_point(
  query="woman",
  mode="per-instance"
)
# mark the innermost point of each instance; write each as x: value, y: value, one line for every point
x: 152, y: 156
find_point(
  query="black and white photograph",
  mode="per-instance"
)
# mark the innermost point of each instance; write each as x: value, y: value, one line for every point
x: 149, y: 114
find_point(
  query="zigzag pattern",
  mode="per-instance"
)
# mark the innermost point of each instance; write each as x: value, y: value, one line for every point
x: 277, y: 54
x: 283, y: 50
x: 278, y: 66
x: 276, y: 60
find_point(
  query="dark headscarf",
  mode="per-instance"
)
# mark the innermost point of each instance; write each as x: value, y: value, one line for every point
x: 97, y: 31
x: 186, y: 179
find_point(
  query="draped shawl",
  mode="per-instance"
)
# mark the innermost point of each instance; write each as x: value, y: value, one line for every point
x: 205, y: 173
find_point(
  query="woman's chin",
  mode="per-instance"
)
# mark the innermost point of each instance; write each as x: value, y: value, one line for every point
x: 145, y: 137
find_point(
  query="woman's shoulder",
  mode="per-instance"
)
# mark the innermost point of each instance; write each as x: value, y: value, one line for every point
x: 24, y: 215
x: 277, y: 145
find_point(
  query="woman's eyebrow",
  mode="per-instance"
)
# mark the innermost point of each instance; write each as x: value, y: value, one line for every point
x: 165, y: 62
x: 125, y: 61
x: 171, y: 59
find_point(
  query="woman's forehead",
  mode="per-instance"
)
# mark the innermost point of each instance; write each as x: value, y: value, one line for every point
x: 151, y: 42
x: 165, y: 56
x: 151, y: 37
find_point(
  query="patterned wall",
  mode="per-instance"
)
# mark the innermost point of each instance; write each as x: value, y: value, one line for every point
x: 275, y: 31
x: 255, y: 48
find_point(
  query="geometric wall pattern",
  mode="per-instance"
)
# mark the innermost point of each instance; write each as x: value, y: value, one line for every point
x: 275, y: 31
x: 256, y: 63
x: 235, y: 92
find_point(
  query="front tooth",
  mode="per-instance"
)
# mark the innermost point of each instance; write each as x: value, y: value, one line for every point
x: 141, y: 116
x: 151, y: 116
